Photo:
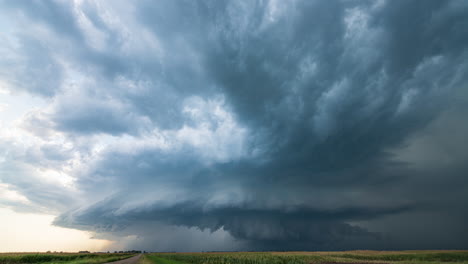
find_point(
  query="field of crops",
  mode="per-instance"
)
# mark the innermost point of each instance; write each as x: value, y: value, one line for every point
x: 400, y: 257
x: 69, y: 258
x: 355, y: 257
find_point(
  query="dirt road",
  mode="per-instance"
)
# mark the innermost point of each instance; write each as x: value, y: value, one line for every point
x: 132, y: 260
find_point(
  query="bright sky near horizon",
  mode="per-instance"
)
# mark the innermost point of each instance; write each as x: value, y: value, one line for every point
x: 28, y: 232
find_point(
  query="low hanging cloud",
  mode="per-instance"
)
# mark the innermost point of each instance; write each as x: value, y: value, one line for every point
x: 249, y: 125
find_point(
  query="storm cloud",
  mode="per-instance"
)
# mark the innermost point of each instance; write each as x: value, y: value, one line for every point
x: 247, y: 125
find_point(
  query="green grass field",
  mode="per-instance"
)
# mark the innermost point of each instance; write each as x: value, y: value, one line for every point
x: 56, y: 258
x: 400, y: 257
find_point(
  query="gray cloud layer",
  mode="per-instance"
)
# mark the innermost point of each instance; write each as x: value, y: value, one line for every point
x: 276, y: 125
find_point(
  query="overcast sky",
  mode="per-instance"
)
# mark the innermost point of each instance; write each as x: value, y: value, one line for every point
x: 236, y: 125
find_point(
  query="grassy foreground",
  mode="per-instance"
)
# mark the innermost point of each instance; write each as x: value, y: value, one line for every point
x: 59, y: 258
x: 400, y: 257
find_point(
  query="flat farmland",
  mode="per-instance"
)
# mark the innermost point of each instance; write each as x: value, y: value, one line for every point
x: 343, y: 257
x: 400, y: 257
x: 53, y: 258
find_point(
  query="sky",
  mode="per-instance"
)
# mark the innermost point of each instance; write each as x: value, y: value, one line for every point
x: 233, y: 125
